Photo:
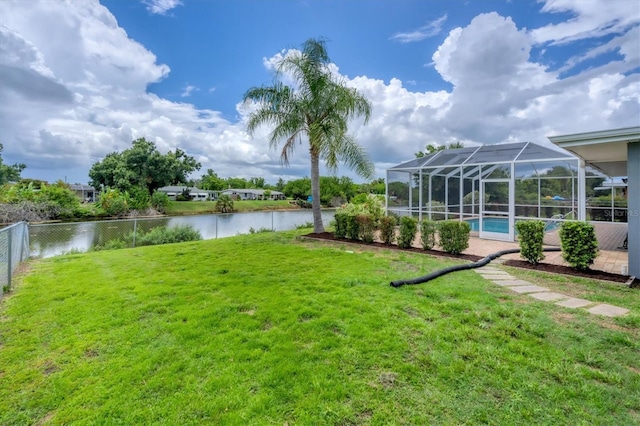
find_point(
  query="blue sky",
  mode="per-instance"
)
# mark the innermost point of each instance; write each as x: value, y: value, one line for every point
x: 82, y: 79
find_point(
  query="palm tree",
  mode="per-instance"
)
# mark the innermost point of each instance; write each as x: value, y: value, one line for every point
x: 224, y: 204
x: 318, y: 108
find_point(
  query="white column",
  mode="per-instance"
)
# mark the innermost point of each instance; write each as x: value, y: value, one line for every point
x: 582, y: 191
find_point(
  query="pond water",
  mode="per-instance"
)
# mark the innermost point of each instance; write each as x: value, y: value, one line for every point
x: 54, y: 239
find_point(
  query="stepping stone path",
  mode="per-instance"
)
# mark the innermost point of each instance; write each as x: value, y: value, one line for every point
x: 503, y: 279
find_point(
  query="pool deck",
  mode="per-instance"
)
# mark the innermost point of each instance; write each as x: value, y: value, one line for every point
x: 610, y: 236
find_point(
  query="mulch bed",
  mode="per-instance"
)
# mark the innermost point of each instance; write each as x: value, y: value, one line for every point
x: 544, y: 267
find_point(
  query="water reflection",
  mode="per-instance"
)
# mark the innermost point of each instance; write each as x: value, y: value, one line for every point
x: 53, y: 239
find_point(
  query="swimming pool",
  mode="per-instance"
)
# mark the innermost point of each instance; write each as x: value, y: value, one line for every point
x: 501, y: 225
x: 490, y: 224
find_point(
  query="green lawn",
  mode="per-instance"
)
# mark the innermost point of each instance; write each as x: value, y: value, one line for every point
x: 268, y: 329
x: 204, y: 207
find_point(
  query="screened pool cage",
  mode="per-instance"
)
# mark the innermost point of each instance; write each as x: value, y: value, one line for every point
x: 493, y: 186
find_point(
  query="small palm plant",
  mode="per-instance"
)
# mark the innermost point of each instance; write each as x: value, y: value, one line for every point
x: 224, y: 204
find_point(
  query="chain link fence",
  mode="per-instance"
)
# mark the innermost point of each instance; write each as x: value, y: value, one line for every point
x: 14, y: 249
x: 54, y: 239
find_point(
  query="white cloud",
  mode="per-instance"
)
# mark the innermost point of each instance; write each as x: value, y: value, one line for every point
x: 591, y: 19
x: 188, y: 90
x: 161, y: 7
x: 430, y: 29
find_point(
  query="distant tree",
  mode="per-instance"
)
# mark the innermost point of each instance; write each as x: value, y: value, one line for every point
x: 336, y: 189
x: 9, y: 173
x: 257, y: 182
x: 430, y: 149
x: 318, y: 108
x: 238, y: 183
x: 376, y: 186
x: 211, y: 181
x: 298, y: 188
x: 280, y: 185
x: 142, y: 166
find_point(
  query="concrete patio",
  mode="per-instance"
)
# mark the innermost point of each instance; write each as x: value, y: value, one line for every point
x: 610, y: 237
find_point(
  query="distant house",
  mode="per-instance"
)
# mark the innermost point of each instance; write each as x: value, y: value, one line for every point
x: 254, y: 194
x: 88, y: 194
x: 196, y: 194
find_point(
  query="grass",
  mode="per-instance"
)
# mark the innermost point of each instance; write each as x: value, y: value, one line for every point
x: 268, y: 329
x: 178, y: 208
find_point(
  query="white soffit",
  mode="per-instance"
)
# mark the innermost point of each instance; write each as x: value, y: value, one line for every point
x: 605, y: 150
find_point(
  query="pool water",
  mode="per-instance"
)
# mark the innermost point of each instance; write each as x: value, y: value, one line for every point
x: 501, y: 225
x: 491, y: 224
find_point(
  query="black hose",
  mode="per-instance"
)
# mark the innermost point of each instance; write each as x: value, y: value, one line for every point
x: 478, y: 264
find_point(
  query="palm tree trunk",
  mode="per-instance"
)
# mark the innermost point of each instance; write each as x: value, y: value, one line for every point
x: 318, y: 227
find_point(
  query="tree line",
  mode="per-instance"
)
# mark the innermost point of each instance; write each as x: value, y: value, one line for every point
x: 130, y: 179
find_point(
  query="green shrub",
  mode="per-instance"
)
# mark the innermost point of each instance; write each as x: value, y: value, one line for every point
x: 454, y: 236
x: 185, y: 195
x: 340, y: 229
x: 114, y: 202
x: 139, y: 198
x: 408, y: 230
x: 579, y: 244
x: 160, y: 201
x: 530, y: 238
x: 224, y: 204
x: 387, y: 229
x: 60, y: 194
x: 359, y: 199
x: 158, y: 235
x: 370, y: 204
x: 352, y: 227
x: 366, y: 228
x: 164, y: 235
x: 428, y: 230
x: 111, y: 245
x: 260, y: 230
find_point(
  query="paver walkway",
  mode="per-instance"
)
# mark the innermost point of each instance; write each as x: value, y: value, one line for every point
x: 503, y: 279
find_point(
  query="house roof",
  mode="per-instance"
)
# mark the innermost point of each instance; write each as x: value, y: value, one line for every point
x: 180, y: 188
x: 81, y: 187
x: 251, y: 191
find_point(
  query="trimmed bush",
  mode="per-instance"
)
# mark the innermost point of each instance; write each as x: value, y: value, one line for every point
x: 408, y: 229
x: 579, y: 244
x: 340, y: 229
x: 352, y: 227
x: 387, y: 229
x: 428, y: 230
x: 366, y: 227
x: 454, y: 236
x: 530, y: 237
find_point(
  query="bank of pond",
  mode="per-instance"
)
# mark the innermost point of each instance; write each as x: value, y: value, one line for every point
x: 53, y: 239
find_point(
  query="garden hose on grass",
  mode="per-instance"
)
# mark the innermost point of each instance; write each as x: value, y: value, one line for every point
x: 478, y: 264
